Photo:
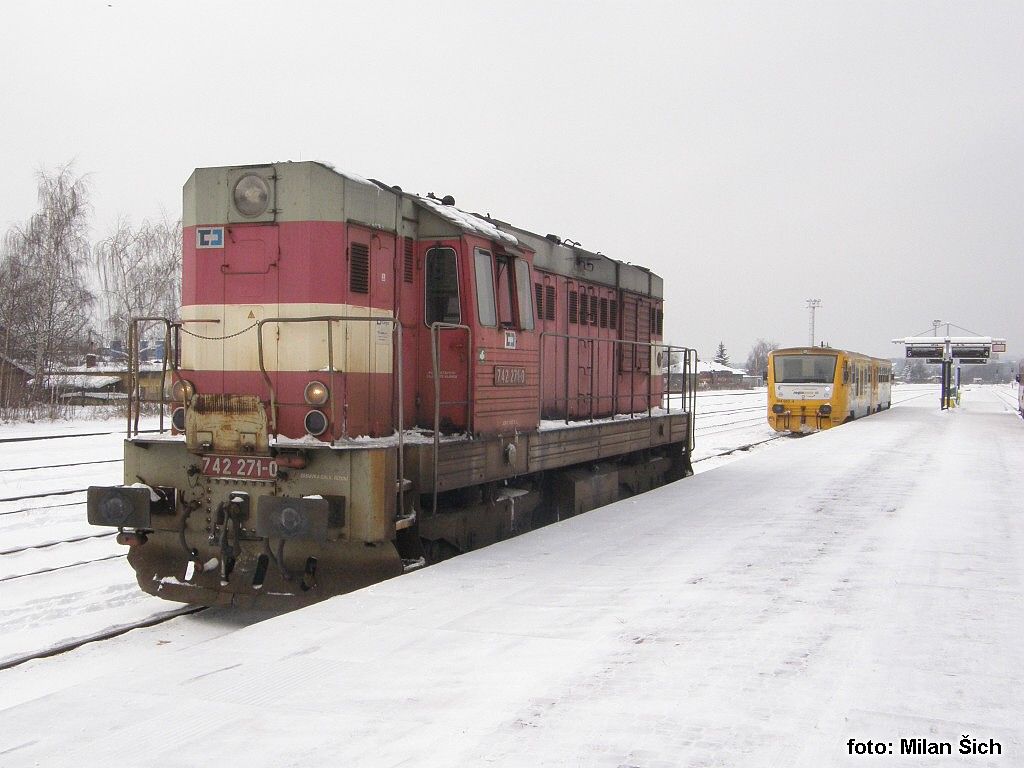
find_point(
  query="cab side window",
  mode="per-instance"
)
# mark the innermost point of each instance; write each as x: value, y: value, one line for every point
x: 441, y: 300
x: 485, y: 308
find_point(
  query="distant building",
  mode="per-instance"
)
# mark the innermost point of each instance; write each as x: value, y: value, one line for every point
x: 712, y: 375
x: 14, y: 381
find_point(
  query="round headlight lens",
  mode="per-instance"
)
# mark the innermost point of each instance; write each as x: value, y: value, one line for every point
x: 825, y: 410
x: 291, y: 520
x: 178, y: 419
x: 316, y: 393
x: 252, y: 195
x: 115, y: 509
x: 182, y: 391
x: 316, y: 423
x: 778, y: 408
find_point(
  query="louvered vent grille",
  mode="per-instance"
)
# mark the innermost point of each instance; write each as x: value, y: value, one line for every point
x: 538, y: 295
x: 359, y: 268
x: 407, y: 272
x: 573, y: 306
x: 604, y: 313
x: 549, y: 302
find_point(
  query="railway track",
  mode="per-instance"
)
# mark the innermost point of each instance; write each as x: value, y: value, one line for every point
x: 35, y: 438
x: 62, y: 466
x: 63, y: 567
x: 105, y: 634
x: 47, y: 545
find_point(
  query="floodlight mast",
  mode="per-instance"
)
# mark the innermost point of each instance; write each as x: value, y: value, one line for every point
x: 812, y: 304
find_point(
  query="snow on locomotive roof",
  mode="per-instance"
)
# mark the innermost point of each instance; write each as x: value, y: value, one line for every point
x: 466, y: 221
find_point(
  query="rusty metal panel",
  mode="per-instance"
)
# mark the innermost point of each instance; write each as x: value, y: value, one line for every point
x: 232, y: 424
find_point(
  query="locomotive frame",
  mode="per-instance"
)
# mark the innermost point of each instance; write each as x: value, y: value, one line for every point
x: 365, y: 381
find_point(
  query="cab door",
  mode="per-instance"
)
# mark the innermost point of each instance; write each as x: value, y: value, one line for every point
x: 444, y: 345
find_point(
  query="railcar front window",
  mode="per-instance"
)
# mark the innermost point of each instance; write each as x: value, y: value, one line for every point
x: 805, y: 369
x: 442, y: 287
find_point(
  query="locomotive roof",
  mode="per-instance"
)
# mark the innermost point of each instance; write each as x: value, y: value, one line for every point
x: 310, y: 190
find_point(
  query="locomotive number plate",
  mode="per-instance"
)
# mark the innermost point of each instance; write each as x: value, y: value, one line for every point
x: 245, y: 467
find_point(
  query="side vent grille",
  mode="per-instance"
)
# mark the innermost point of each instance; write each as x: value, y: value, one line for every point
x: 407, y: 273
x: 573, y: 306
x: 538, y: 295
x: 549, y: 302
x: 359, y: 268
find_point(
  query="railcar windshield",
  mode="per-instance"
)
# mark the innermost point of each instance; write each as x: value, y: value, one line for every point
x: 805, y: 369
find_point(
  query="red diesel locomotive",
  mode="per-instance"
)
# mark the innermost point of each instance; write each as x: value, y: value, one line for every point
x: 365, y: 380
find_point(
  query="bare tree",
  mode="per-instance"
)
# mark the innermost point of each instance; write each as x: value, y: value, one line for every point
x: 757, y: 360
x: 140, y: 272
x: 46, y: 306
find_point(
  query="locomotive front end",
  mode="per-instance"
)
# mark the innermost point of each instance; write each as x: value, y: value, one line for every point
x: 284, y: 352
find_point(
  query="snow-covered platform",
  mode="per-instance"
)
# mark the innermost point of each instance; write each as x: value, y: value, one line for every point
x: 864, y: 584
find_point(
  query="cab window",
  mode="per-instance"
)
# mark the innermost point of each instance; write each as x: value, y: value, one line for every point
x: 485, y: 288
x: 441, y: 300
x: 525, y: 297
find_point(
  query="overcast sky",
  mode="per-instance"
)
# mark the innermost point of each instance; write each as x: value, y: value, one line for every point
x: 756, y: 155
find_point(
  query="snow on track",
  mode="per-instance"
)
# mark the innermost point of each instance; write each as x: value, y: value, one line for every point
x: 859, y: 583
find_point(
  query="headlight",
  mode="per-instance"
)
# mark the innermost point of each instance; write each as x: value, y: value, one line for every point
x: 778, y: 408
x: 118, y: 507
x: 251, y: 195
x: 178, y: 419
x: 316, y: 393
x: 281, y: 517
x: 825, y: 410
x: 182, y: 391
x: 316, y: 423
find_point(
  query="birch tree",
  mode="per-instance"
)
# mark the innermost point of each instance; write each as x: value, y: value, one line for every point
x: 140, y: 272
x: 47, y: 303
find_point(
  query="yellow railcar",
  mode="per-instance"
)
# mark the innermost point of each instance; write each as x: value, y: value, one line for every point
x: 812, y: 388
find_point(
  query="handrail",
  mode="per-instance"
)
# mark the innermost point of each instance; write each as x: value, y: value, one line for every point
x: 688, y: 398
x: 134, y: 394
x: 435, y: 357
x: 396, y: 364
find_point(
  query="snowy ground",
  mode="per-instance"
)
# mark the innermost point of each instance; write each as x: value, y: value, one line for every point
x: 63, y: 580
x: 863, y: 583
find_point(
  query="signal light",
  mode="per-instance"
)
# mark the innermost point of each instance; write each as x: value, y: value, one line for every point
x: 315, y: 423
x: 825, y: 410
x: 316, y: 393
x: 778, y: 408
x: 178, y: 419
x: 182, y: 391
